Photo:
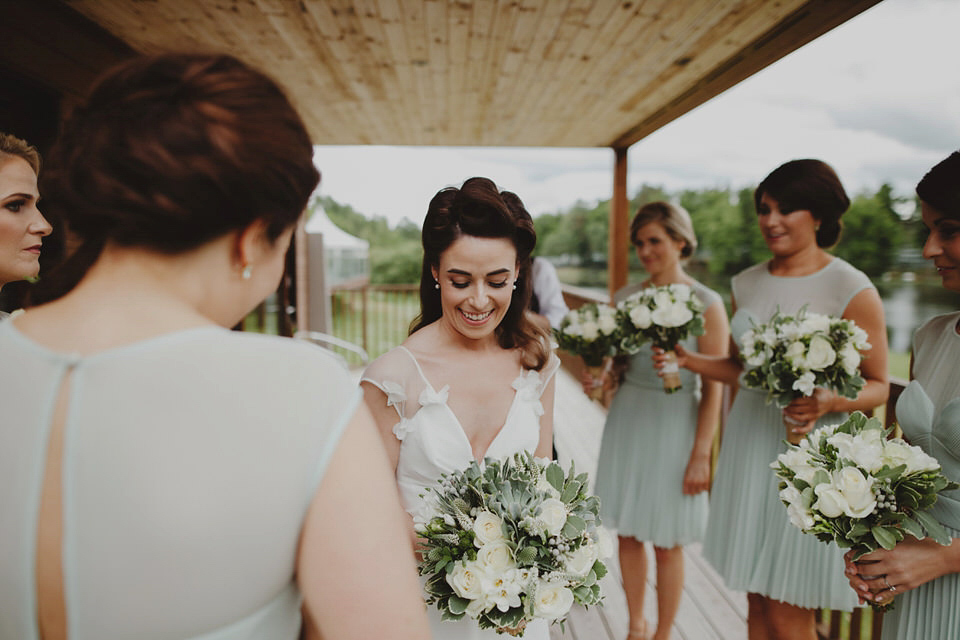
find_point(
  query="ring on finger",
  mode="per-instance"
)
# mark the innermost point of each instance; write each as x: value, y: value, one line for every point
x: 885, y: 583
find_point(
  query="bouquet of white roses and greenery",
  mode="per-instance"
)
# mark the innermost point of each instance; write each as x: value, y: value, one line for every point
x: 791, y: 355
x: 850, y: 484
x: 511, y: 541
x: 591, y: 332
x: 662, y: 316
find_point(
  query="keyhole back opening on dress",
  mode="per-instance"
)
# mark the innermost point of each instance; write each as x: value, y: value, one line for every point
x: 50, y: 594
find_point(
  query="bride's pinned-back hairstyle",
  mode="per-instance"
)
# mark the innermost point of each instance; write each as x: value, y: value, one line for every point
x: 479, y: 209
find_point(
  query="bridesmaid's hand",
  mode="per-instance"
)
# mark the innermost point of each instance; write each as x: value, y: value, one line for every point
x: 808, y: 409
x: 696, y: 478
x: 880, y: 575
x: 660, y: 358
x: 590, y: 383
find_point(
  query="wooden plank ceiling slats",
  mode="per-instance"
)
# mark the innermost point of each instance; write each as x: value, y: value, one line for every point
x: 484, y: 72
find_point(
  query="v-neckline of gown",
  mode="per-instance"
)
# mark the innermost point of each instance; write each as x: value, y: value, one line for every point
x: 460, y: 429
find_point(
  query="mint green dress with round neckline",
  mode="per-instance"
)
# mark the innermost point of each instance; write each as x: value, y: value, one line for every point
x: 929, y: 413
x: 750, y: 540
x: 647, y: 439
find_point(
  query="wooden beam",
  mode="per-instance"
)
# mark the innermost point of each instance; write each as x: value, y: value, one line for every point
x: 54, y: 45
x: 804, y: 25
x: 619, y: 224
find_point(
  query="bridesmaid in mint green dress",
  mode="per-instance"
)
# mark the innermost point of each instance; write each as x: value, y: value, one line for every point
x: 654, y: 466
x: 922, y: 575
x: 749, y: 541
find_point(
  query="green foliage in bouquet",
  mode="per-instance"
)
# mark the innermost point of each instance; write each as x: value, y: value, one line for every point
x: 852, y: 485
x: 591, y: 332
x: 662, y: 316
x: 511, y: 541
x: 791, y: 355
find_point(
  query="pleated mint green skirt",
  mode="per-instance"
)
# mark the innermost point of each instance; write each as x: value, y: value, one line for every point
x: 646, y: 444
x: 749, y: 539
x: 932, y: 610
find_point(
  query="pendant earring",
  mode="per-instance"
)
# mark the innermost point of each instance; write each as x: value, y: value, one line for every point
x: 514, y: 285
x: 247, y: 272
x: 436, y: 284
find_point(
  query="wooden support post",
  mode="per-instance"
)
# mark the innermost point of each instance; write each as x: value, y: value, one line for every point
x: 619, y: 224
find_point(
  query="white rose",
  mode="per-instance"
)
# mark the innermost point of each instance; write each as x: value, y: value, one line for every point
x: 607, y: 324
x: 867, y: 451
x: 769, y: 336
x: 466, y: 580
x: 487, y: 528
x: 820, y: 354
x: 552, y: 600
x: 640, y: 316
x: 800, y: 516
x: 790, y: 330
x: 798, y: 460
x: 673, y: 315
x: 857, y: 490
x: 813, y: 322
x: 896, y: 453
x: 830, y: 501
x: 795, y: 354
x: 662, y: 299
x: 580, y: 561
x: 574, y: 329
x: 680, y: 291
x: 805, y: 383
x: 553, y: 514
x: 590, y: 330
x: 495, y: 558
x: 860, y: 339
x: 850, y: 359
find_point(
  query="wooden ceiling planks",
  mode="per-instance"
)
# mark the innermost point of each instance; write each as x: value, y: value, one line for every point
x: 485, y: 72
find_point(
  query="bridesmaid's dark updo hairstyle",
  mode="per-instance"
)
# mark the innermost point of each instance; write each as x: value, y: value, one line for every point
x: 940, y: 187
x: 172, y: 151
x: 811, y: 185
x: 479, y: 209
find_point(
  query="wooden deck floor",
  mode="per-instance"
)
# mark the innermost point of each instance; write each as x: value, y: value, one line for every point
x: 708, y: 611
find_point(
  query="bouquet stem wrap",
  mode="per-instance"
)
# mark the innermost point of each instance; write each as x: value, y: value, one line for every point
x: 671, y: 373
x: 596, y: 393
x: 791, y: 424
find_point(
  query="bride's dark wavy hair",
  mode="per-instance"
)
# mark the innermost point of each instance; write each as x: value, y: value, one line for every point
x: 479, y: 209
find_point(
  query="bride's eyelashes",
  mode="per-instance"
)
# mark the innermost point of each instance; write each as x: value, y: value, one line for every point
x: 464, y: 285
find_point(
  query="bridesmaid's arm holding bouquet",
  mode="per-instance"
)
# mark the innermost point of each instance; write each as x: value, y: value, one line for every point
x: 713, y: 344
x: 722, y: 367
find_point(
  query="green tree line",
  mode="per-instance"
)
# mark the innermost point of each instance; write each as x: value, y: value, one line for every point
x: 724, y: 221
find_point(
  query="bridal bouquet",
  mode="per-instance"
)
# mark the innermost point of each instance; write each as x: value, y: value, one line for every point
x: 510, y: 542
x: 662, y: 316
x: 849, y: 484
x: 592, y: 333
x: 791, y: 355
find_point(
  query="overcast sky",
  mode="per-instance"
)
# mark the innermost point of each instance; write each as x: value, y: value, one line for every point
x: 877, y: 97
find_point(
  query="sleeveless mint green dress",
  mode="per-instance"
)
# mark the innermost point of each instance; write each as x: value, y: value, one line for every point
x: 749, y: 540
x: 646, y: 444
x: 929, y: 414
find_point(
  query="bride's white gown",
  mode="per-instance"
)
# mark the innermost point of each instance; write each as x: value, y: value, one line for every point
x: 433, y: 443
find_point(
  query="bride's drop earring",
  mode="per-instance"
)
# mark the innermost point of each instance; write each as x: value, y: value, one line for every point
x: 247, y: 272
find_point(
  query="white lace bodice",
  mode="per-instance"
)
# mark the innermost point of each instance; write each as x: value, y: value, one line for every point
x: 433, y: 441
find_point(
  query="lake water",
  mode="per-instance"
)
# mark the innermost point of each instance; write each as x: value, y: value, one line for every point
x: 908, y: 301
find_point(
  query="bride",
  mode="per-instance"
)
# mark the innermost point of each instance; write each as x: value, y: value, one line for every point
x: 474, y: 378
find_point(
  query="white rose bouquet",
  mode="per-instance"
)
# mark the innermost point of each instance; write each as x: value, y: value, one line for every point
x: 510, y: 542
x: 850, y: 484
x: 591, y: 332
x: 791, y: 355
x: 662, y: 316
